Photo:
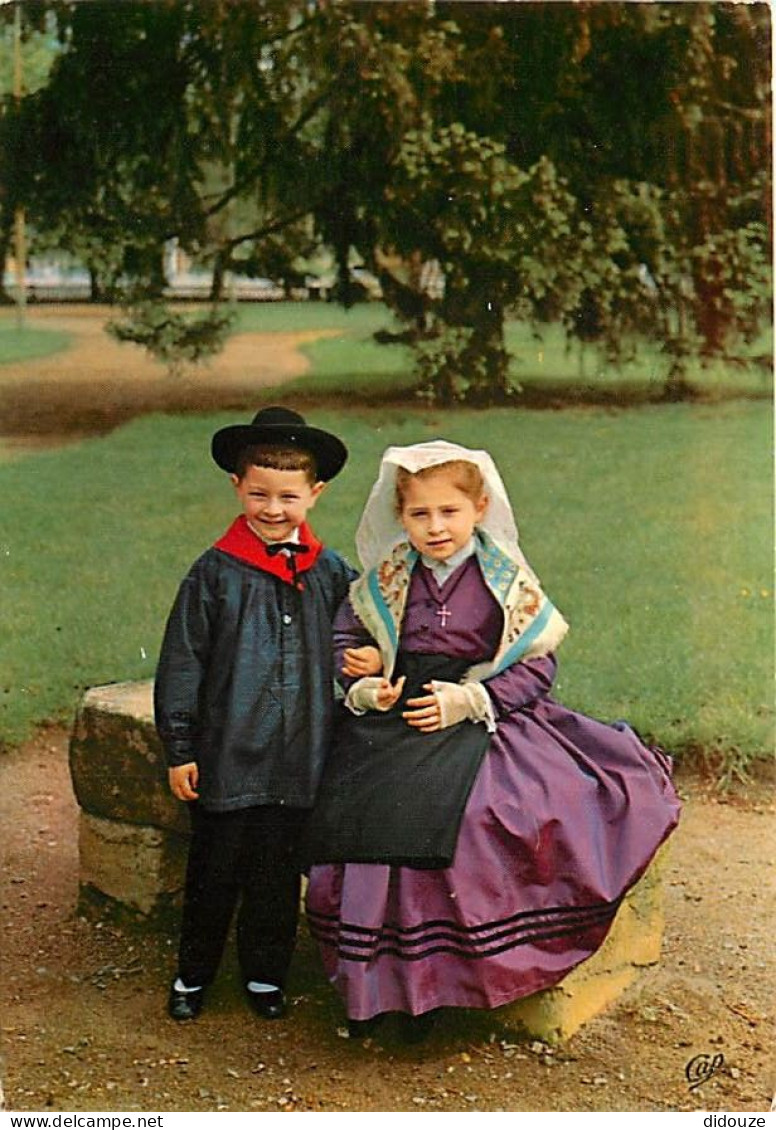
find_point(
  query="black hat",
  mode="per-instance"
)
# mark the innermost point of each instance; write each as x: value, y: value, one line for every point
x: 282, y: 426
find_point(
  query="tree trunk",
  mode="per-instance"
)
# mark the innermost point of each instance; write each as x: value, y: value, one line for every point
x: 486, y: 361
x: 96, y: 289
x: 6, y: 235
x: 677, y: 387
x: 217, y: 282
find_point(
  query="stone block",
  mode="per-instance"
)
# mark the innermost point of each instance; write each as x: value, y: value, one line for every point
x: 633, y: 942
x: 140, y: 868
x: 116, y: 759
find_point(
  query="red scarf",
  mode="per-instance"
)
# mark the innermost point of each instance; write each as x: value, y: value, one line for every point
x: 241, y: 542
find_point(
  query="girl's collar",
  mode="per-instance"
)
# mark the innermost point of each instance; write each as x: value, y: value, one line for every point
x: 443, y: 569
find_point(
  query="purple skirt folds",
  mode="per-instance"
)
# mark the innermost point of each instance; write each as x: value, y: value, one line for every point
x: 564, y: 817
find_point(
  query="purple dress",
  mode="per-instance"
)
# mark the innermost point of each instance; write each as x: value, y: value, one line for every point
x: 563, y: 817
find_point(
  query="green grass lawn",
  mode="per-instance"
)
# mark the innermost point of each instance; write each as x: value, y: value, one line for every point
x: 294, y: 317
x: 650, y: 528
x: 544, y: 367
x: 547, y: 359
x: 543, y: 363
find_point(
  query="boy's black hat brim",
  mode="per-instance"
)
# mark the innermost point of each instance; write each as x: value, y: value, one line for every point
x: 280, y: 426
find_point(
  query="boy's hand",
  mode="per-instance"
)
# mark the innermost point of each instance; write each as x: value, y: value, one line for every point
x: 361, y: 661
x: 184, y: 780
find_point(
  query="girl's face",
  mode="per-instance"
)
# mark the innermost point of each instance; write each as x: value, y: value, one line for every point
x: 438, y: 516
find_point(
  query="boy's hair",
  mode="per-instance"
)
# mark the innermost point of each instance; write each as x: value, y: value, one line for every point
x: 278, y: 458
x: 466, y: 477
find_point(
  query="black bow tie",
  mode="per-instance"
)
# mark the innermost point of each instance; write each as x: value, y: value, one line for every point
x: 287, y: 546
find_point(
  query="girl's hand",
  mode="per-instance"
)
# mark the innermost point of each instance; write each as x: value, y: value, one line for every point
x: 449, y: 704
x: 371, y: 693
x: 184, y: 780
x: 388, y: 693
x: 425, y: 714
x: 361, y: 661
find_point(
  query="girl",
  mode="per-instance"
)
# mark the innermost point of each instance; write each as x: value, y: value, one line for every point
x: 474, y: 839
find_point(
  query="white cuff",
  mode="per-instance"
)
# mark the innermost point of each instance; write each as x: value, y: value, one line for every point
x: 486, y: 711
x: 362, y: 695
x: 462, y: 701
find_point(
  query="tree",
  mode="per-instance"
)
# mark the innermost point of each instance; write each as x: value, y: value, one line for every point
x: 32, y: 48
x: 655, y: 121
x: 658, y: 118
x: 98, y: 154
x: 161, y: 120
x: 606, y: 165
x: 173, y: 338
x: 504, y: 239
x: 411, y: 186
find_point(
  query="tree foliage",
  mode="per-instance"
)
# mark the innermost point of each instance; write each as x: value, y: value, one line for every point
x: 503, y: 239
x: 29, y: 57
x: 653, y: 121
x: 173, y: 338
x: 657, y: 118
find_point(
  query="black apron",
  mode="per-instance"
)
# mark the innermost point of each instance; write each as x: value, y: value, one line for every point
x: 390, y: 794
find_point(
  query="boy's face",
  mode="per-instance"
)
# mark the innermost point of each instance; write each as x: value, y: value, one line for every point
x: 275, y: 502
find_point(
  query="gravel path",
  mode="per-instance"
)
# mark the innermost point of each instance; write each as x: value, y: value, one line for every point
x: 83, y: 997
x: 100, y: 383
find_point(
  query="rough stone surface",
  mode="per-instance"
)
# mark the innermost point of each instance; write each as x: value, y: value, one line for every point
x: 116, y: 759
x: 140, y: 868
x: 632, y: 943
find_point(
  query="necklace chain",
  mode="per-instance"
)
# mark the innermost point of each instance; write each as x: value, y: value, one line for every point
x: 441, y: 610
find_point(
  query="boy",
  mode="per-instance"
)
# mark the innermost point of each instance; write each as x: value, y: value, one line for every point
x: 243, y: 702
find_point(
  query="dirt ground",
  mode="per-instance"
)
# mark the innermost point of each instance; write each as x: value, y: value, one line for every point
x: 83, y: 1024
x: 83, y: 995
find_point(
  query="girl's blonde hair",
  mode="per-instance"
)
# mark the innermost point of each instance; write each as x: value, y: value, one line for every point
x: 466, y: 477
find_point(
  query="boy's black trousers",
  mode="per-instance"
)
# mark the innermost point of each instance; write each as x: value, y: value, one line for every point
x: 247, y: 856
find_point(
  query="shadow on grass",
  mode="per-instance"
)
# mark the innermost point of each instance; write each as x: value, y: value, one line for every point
x: 538, y: 395
x: 81, y: 408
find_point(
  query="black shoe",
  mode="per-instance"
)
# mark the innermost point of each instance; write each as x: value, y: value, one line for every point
x: 415, y: 1029
x: 269, y: 1006
x: 185, y: 1006
x: 360, y: 1029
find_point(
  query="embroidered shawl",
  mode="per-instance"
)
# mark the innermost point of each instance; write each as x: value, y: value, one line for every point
x: 532, y: 624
